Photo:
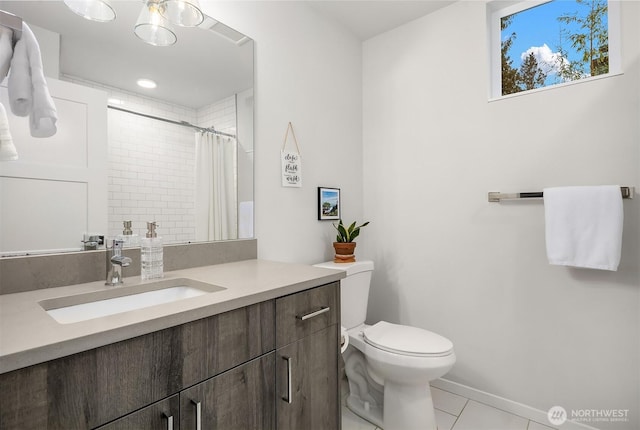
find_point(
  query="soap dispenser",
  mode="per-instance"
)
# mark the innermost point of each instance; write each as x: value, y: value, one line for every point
x: 151, y: 257
x: 128, y: 237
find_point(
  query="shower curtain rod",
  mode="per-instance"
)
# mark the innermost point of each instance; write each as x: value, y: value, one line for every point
x: 182, y: 123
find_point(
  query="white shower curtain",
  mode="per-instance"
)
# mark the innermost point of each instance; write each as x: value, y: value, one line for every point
x: 216, y: 187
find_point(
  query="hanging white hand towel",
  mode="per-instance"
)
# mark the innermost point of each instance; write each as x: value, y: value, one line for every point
x: 7, y: 149
x: 19, y: 82
x: 28, y: 91
x: 583, y: 226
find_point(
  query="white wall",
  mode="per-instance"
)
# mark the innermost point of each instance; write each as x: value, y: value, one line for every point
x: 476, y: 272
x: 244, y: 106
x: 308, y: 71
x: 49, y: 44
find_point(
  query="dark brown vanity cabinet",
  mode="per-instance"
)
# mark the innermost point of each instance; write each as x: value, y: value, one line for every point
x: 95, y: 387
x: 164, y: 414
x: 227, y: 371
x: 307, y: 341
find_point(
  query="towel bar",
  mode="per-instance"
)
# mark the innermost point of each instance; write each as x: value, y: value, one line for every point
x: 13, y: 22
x: 627, y: 193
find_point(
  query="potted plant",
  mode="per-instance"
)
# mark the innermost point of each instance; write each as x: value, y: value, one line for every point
x: 344, y: 244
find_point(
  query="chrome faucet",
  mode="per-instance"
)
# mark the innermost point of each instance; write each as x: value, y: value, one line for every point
x: 115, y: 262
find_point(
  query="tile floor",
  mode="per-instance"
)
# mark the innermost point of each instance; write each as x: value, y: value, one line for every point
x: 453, y: 412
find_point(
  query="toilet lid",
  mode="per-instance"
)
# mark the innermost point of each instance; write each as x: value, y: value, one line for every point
x: 407, y: 340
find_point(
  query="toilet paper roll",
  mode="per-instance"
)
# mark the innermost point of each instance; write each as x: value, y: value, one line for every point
x: 344, y: 339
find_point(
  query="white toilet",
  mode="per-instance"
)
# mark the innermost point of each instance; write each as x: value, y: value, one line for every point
x: 388, y: 366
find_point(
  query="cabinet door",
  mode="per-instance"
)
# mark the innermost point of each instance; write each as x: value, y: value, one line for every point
x: 161, y: 415
x: 72, y: 163
x: 307, y: 395
x: 240, y: 399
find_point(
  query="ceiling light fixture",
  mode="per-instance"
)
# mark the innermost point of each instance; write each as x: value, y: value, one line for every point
x: 94, y: 10
x: 185, y: 13
x: 146, y: 83
x: 154, y: 22
x: 152, y: 27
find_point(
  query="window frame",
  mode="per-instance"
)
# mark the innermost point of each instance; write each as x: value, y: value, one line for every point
x: 497, y: 9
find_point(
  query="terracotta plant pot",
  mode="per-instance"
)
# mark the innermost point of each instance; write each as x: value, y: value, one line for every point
x: 344, y: 252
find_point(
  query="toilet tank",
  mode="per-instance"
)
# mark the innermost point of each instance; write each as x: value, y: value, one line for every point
x: 354, y: 291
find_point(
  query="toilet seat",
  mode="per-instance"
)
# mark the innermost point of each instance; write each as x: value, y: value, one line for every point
x: 407, y: 340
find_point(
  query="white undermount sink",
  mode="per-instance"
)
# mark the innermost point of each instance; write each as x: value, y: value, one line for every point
x: 83, y: 307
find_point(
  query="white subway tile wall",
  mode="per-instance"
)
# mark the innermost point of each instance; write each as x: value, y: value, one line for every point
x: 222, y: 114
x: 152, y: 163
x: 151, y: 176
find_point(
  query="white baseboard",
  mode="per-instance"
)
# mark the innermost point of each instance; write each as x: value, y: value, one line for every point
x: 506, y: 405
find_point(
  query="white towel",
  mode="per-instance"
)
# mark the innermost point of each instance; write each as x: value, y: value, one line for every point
x: 6, y: 50
x: 584, y: 226
x: 19, y: 84
x: 7, y: 149
x: 28, y: 91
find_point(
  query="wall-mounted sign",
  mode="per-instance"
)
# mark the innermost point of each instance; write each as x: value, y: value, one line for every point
x: 291, y: 162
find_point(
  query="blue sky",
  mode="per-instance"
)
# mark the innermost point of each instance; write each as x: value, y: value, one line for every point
x: 330, y: 196
x: 538, y: 26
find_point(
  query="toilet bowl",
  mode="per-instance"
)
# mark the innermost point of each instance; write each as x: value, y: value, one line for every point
x: 388, y: 366
x: 403, y: 372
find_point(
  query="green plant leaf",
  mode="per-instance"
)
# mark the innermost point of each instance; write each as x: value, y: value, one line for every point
x: 339, y: 226
x: 343, y: 233
x: 348, y: 234
x: 355, y: 233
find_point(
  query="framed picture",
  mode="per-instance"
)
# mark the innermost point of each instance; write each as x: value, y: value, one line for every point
x: 328, y: 203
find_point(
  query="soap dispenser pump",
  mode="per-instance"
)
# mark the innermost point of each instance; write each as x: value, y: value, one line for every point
x: 128, y: 237
x: 151, y: 255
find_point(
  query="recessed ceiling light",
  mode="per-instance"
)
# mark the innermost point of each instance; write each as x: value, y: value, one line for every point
x: 146, y: 83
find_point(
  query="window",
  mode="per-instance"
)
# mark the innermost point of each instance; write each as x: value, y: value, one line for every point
x: 545, y: 43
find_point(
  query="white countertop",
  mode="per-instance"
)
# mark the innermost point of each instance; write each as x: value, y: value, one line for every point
x: 28, y: 335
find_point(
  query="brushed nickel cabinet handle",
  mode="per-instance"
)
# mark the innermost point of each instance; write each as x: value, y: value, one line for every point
x: 320, y: 311
x: 198, y: 406
x: 289, y: 371
x: 169, y: 421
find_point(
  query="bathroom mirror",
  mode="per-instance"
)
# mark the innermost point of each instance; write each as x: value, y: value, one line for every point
x: 151, y: 165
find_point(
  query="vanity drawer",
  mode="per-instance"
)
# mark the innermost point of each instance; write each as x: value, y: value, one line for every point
x: 301, y: 314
